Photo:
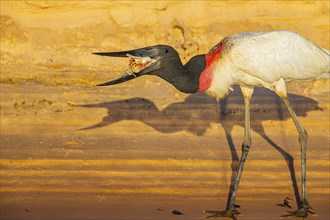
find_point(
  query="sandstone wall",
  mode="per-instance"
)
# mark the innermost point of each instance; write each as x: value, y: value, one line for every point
x: 41, y: 41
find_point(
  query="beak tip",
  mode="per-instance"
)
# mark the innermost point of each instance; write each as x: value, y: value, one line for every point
x: 105, y: 84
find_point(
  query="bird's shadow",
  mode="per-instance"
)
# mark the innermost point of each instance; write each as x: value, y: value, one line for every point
x: 198, y: 111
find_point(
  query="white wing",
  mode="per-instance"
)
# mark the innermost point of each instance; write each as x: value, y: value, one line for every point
x: 270, y: 56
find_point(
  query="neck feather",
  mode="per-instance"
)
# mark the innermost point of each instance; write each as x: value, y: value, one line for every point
x: 186, y: 77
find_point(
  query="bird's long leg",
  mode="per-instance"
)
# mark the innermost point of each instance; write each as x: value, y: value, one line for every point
x: 247, y: 93
x: 305, y: 207
x: 230, y: 209
x: 280, y: 90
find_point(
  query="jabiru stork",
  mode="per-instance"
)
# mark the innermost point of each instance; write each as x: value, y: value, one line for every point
x: 253, y: 59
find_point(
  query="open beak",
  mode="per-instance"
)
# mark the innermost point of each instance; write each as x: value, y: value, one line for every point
x: 142, y: 61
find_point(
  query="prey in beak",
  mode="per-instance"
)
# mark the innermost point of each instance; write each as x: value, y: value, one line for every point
x: 141, y: 62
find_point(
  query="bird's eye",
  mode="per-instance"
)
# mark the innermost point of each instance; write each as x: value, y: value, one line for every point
x: 165, y: 50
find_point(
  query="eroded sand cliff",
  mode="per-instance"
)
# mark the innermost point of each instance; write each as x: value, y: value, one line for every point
x: 142, y: 149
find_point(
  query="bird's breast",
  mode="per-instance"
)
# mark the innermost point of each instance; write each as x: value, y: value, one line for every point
x: 206, y: 77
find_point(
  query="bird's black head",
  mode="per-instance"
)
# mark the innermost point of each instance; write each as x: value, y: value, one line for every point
x: 159, y: 60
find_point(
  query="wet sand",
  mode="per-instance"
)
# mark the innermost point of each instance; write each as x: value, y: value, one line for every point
x: 89, y: 153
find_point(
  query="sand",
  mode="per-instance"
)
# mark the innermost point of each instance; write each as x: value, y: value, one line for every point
x: 142, y: 149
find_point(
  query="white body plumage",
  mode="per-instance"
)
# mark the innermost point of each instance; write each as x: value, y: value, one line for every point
x: 267, y: 59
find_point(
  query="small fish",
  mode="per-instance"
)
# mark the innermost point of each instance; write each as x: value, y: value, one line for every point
x: 136, y: 64
x: 285, y: 203
x: 176, y: 212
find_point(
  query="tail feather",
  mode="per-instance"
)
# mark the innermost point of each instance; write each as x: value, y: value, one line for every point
x: 324, y: 76
x: 326, y: 73
x: 326, y: 51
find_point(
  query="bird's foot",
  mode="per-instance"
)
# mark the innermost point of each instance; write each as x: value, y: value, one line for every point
x: 229, y: 213
x: 302, y: 212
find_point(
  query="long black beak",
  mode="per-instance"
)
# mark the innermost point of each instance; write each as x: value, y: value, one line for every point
x: 124, y: 78
x: 143, y: 52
